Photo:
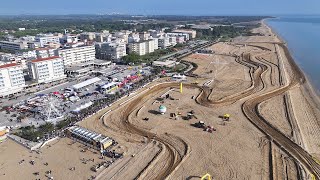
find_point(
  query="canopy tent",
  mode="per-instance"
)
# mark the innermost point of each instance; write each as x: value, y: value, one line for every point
x: 86, y: 83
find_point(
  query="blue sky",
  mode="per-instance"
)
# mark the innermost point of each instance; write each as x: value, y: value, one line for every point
x: 172, y: 7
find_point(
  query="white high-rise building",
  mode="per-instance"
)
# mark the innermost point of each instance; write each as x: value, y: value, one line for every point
x: 103, y: 37
x: 138, y: 48
x: 46, y: 52
x: 144, y: 36
x: 44, y: 39
x: 134, y: 37
x: 156, y: 44
x: 27, y: 54
x: 111, y: 50
x: 69, y: 38
x: 11, y: 79
x: 46, y: 70
x: 192, y: 33
x: 185, y: 36
x: 150, y: 46
x: 164, y: 42
x: 173, y: 40
x: 77, y: 55
x: 90, y: 36
x: 180, y: 39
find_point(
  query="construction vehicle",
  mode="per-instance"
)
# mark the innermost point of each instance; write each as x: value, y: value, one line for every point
x: 226, y: 117
x: 210, y: 129
x: 191, y: 115
x: 206, y: 128
x: 199, y: 124
x: 206, y: 177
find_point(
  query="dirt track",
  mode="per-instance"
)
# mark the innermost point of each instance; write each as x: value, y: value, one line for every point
x: 249, y: 109
x: 253, y: 97
x: 268, y: 80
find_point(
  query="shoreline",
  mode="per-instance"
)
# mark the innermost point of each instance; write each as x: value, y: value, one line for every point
x: 307, y: 85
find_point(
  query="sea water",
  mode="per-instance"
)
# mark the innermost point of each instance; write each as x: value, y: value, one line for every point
x: 302, y: 34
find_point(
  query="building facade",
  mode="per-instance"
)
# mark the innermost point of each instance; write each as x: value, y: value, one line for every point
x: 44, y: 39
x: 44, y: 70
x: 150, y: 46
x: 13, y: 46
x: 192, y: 33
x: 46, y: 52
x: 11, y: 79
x: 111, y: 50
x: 90, y: 36
x: 164, y: 42
x: 76, y: 55
x: 138, y: 48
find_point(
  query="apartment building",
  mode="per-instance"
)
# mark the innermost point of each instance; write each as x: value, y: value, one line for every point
x: 156, y: 44
x: 11, y: 79
x: 44, y: 39
x: 124, y: 36
x: 27, y: 54
x: 90, y: 36
x: 150, y: 46
x: 46, y: 52
x: 186, y: 36
x: 192, y: 33
x: 76, y: 55
x: 173, y: 41
x: 134, y: 37
x: 164, y: 42
x: 111, y: 50
x: 45, y: 70
x: 138, y: 48
x: 144, y: 36
x: 180, y: 39
x: 103, y: 37
x: 69, y: 38
x: 14, y: 45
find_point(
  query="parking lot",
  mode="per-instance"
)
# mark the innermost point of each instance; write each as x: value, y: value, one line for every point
x: 54, y: 101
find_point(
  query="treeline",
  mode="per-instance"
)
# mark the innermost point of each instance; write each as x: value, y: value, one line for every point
x: 222, y: 31
x: 77, y: 25
x: 148, y: 58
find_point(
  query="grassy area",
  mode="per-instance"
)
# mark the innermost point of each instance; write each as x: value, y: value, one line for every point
x: 148, y: 58
x: 32, y: 133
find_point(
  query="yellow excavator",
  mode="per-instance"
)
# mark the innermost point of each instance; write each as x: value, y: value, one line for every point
x: 206, y: 177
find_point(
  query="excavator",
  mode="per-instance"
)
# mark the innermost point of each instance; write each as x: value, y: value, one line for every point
x: 206, y: 177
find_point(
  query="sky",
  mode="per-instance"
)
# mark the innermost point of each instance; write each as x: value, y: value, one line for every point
x: 160, y: 7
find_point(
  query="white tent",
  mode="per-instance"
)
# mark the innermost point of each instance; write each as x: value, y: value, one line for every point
x: 86, y: 83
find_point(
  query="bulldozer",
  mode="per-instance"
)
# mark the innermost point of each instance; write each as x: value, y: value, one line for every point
x: 203, y: 126
x: 199, y: 124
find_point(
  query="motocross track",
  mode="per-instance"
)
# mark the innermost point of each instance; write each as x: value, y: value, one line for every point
x: 265, y: 85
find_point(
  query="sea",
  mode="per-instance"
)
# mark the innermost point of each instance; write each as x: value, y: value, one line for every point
x: 302, y: 34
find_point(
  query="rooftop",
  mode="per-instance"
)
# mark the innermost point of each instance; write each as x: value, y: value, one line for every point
x: 8, y: 65
x: 45, y: 59
x: 86, y: 83
x: 88, y: 135
x: 40, y: 49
